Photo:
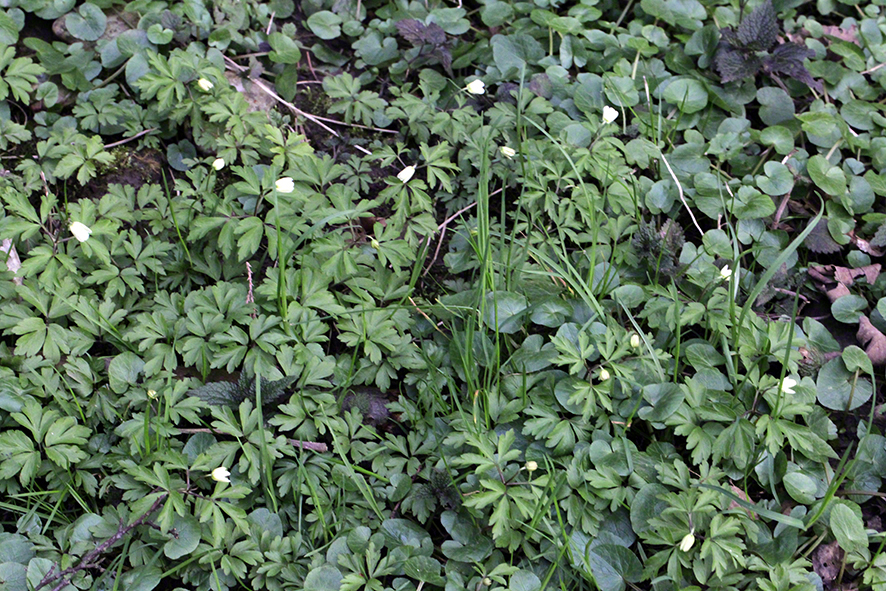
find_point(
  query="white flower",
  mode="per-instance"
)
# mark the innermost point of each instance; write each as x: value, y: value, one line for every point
x: 152, y: 394
x: 406, y: 174
x: 609, y: 114
x: 604, y: 374
x: 221, y: 474
x: 508, y: 152
x: 531, y: 466
x: 725, y: 272
x: 285, y: 185
x: 687, y: 542
x: 635, y: 341
x: 476, y: 87
x: 218, y: 163
x: 787, y: 385
x: 205, y: 85
x: 81, y: 231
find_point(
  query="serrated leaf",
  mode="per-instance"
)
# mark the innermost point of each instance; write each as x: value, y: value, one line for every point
x: 879, y: 239
x: 219, y: 394
x: 787, y: 59
x: 759, y: 30
x: 418, y: 33
x: 820, y: 241
x: 734, y: 64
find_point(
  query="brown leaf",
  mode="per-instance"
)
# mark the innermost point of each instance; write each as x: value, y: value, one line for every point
x: 835, y: 280
x: 741, y: 494
x: 826, y: 562
x: 873, y: 339
x: 850, y: 34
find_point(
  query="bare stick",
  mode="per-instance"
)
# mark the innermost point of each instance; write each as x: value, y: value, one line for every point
x: 89, y: 560
x: 682, y: 197
x: 311, y: 445
x: 129, y: 139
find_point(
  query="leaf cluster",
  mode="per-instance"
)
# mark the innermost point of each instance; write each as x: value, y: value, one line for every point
x: 754, y: 47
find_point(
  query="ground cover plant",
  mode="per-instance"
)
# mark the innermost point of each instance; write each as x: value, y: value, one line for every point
x: 369, y: 294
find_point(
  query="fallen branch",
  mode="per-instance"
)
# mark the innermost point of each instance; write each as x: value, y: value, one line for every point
x: 88, y: 560
x: 311, y: 445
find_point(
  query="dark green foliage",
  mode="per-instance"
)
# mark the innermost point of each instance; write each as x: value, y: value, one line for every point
x: 430, y: 40
x: 233, y: 393
x: 659, y: 248
x: 752, y: 49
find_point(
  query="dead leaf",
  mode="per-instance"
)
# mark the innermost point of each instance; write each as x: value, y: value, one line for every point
x: 826, y: 561
x: 741, y: 494
x: 835, y: 280
x: 873, y: 340
x: 850, y: 34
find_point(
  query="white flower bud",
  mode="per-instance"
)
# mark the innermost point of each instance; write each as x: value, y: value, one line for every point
x: 476, y: 87
x: 81, y: 231
x: 687, y: 542
x: 205, y: 85
x: 531, y: 466
x: 218, y: 163
x: 609, y: 114
x: 285, y: 185
x: 406, y: 174
x: 635, y: 341
x: 221, y: 474
x: 604, y: 374
x: 508, y: 152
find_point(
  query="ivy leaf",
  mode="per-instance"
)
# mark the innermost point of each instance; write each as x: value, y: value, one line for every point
x: 759, y: 30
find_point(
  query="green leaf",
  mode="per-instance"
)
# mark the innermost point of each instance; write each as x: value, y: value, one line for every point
x: 515, y: 52
x: 424, y: 568
x: 524, y: 580
x: 285, y: 49
x: 778, y: 180
x: 505, y: 311
x: 779, y: 138
x: 839, y: 389
x: 802, y: 488
x: 829, y: 179
x: 89, y: 24
x: 323, y: 578
x: 184, y: 537
x: 848, y: 527
x: 849, y: 308
x: 648, y: 503
x: 325, y: 25
x: 124, y: 370
x: 8, y: 30
x: 776, y: 106
x: 687, y: 94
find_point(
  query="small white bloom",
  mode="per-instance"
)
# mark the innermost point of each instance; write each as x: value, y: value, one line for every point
x: 285, y: 185
x: 152, y: 394
x: 218, y: 163
x: 406, y: 174
x: 531, y: 466
x: 609, y: 114
x: 508, y: 152
x: 205, y: 85
x: 476, y: 87
x: 687, y: 542
x: 787, y: 385
x: 81, y: 231
x: 221, y: 474
x: 604, y: 374
x: 725, y: 272
x: 635, y: 341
